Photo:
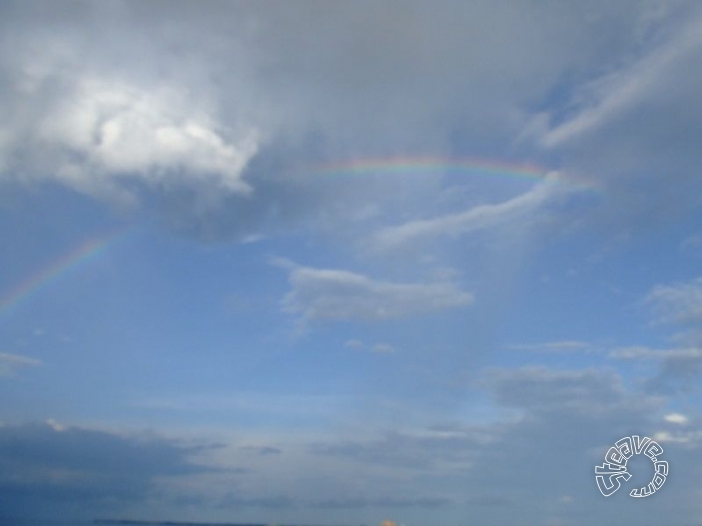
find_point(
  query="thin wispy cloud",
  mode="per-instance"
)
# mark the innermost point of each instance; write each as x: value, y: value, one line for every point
x: 11, y: 363
x: 340, y: 295
x: 558, y: 346
x: 513, y: 215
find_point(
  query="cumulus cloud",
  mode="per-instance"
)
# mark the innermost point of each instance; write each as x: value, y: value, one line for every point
x: 341, y: 295
x: 81, y: 111
x: 109, y: 134
x: 110, y: 130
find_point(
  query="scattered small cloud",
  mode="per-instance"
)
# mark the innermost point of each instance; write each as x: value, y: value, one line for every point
x: 677, y: 418
x: 677, y: 303
x: 692, y: 244
x: 10, y: 363
x: 636, y: 352
x: 56, y: 426
x: 383, y: 348
x: 341, y: 295
x: 558, y: 346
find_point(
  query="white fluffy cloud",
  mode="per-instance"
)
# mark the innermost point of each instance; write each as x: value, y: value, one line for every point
x: 109, y: 133
x: 677, y: 418
x: 336, y: 295
x: 111, y: 130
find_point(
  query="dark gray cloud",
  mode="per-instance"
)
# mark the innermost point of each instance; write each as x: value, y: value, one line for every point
x: 46, y: 469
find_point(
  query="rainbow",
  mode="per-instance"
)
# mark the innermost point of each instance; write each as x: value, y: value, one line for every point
x: 425, y: 165
x: 39, y: 281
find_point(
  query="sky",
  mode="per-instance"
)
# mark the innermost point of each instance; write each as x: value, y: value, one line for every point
x: 333, y: 263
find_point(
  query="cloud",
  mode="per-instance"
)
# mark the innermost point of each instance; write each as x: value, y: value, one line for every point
x: 10, y: 363
x: 53, y: 469
x: 677, y: 418
x: 514, y: 213
x: 606, y: 98
x: 541, y: 389
x: 636, y: 352
x: 430, y: 450
x: 630, y: 122
x: 559, y: 346
x: 678, y: 303
x: 262, y: 450
x: 340, y: 295
x: 109, y: 133
x: 677, y: 369
x: 255, y: 90
x: 383, y: 348
x: 567, y: 420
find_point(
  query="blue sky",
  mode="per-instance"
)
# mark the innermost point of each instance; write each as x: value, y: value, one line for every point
x: 270, y: 339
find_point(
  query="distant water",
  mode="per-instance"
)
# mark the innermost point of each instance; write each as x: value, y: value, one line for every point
x: 57, y: 522
x: 42, y: 522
